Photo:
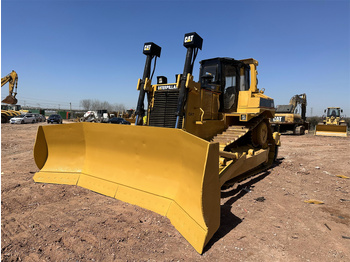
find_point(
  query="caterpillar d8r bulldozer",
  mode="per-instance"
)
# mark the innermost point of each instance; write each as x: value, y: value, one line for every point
x: 197, y: 136
x: 333, y: 124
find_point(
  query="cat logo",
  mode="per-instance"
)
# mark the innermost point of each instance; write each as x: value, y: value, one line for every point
x: 188, y: 38
x: 278, y: 119
x: 147, y: 48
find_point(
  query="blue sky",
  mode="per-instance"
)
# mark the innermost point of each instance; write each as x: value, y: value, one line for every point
x: 66, y: 51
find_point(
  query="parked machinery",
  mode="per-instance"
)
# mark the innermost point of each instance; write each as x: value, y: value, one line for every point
x: 287, y: 117
x: 333, y: 124
x: 9, y: 111
x: 98, y: 116
x: 12, y: 79
x: 198, y: 136
x: 128, y: 115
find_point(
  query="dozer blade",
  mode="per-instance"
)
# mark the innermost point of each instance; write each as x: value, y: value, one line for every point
x: 10, y: 100
x: 168, y: 171
x: 331, y: 130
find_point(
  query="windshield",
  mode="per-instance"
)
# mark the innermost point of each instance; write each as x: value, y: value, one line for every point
x: 333, y: 112
x: 230, y: 86
x: 211, y: 70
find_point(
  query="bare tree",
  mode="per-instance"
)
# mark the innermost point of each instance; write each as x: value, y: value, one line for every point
x: 86, y: 104
x: 89, y: 104
x: 95, y: 104
x: 119, y: 107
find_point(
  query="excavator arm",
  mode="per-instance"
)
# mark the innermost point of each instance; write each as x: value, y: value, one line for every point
x: 299, y: 100
x: 12, y: 79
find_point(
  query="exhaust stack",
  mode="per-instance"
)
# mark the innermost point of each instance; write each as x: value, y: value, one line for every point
x: 151, y: 50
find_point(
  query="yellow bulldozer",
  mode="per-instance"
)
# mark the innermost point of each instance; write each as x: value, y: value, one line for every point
x: 333, y: 124
x: 197, y: 136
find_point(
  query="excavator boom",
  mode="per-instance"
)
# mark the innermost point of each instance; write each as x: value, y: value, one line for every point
x: 12, y: 79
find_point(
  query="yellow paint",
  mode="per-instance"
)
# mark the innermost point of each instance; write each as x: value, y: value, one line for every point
x: 331, y: 130
x: 173, y: 172
x: 183, y: 184
x: 314, y: 201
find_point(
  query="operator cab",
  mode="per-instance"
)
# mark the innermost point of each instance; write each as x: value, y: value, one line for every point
x: 335, y: 112
x: 225, y: 76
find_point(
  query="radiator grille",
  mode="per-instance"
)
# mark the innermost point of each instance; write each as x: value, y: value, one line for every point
x: 163, y: 112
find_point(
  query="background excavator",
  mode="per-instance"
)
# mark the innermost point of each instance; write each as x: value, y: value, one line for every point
x: 333, y: 124
x: 12, y: 79
x: 198, y: 136
x: 11, y: 110
x: 287, y: 117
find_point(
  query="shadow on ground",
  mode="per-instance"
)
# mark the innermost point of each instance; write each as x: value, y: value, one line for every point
x: 228, y: 221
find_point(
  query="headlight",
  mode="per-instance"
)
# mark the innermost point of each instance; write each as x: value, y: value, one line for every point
x: 244, y: 117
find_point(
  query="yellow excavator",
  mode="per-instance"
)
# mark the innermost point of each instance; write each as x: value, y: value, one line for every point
x: 9, y: 111
x: 287, y: 118
x: 12, y: 79
x: 197, y: 136
x: 333, y: 124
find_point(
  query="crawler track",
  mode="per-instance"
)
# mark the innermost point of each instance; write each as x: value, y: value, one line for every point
x: 231, y: 136
x: 233, y: 133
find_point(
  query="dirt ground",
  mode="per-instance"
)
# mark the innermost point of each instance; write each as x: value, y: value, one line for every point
x: 262, y: 219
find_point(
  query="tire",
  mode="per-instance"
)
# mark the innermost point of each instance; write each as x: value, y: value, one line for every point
x: 22, y: 122
x: 259, y: 134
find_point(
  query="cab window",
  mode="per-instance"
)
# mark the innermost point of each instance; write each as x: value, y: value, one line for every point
x: 244, y: 79
x: 333, y: 112
x: 230, y: 88
x: 211, y: 71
